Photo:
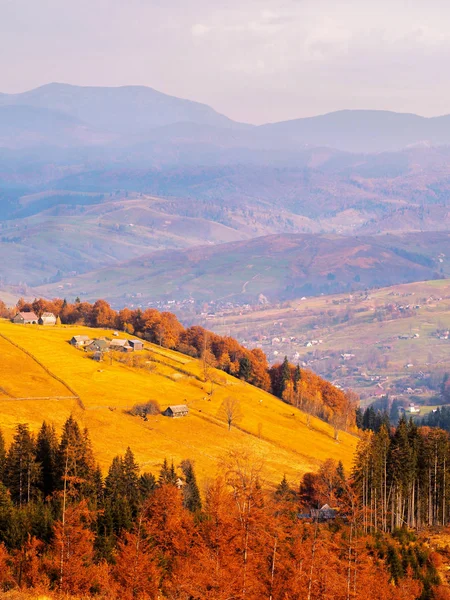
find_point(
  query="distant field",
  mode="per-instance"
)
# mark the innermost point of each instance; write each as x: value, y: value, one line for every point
x: 357, y: 324
x: 276, y: 431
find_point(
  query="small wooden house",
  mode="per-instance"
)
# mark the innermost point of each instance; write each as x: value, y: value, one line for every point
x: 98, y: 356
x: 98, y: 345
x: 47, y: 318
x: 325, y: 513
x: 80, y: 341
x: 176, y: 410
x: 136, y: 345
x: 25, y: 318
x: 120, y: 345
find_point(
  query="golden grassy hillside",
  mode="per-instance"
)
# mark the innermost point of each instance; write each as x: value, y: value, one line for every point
x: 43, y: 377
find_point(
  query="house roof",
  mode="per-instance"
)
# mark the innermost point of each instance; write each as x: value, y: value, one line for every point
x: 178, y: 408
x: 120, y: 343
x: 101, y: 343
x: 28, y: 316
x: 132, y: 342
x: 81, y: 338
x: 48, y: 315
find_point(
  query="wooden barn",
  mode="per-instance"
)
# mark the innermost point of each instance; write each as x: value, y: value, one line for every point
x: 80, y: 341
x: 136, y: 344
x: 176, y: 410
x: 26, y: 318
x: 47, y: 318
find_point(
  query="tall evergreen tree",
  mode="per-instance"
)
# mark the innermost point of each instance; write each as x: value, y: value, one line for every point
x: 245, y: 368
x: 131, y: 480
x: 75, y: 460
x: 191, y: 493
x: 167, y: 475
x: 147, y: 485
x: 297, y: 377
x: 285, y: 373
x: 46, y: 456
x: 22, y: 472
x: 2, y: 456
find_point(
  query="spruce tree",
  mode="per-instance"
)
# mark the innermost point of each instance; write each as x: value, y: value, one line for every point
x: 285, y: 374
x: 75, y: 460
x: 167, y: 475
x: 245, y: 369
x: 147, y: 485
x: 191, y: 493
x: 2, y: 457
x: 6, y: 512
x: 131, y: 480
x: 22, y: 472
x: 297, y: 377
x: 46, y: 456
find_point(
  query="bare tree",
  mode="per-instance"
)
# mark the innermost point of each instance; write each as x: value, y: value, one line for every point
x: 230, y: 411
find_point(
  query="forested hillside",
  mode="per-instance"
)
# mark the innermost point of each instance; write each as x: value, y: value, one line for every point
x: 66, y: 529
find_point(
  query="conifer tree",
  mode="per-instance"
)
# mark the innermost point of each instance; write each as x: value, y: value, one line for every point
x: 46, y: 456
x: 22, y: 471
x: 75, y: 460
x: 2, y: 456
x: 285, y: 374
x: 297, y: 377
x: 191, y: 493
x: 6, y: 512
x: 147, y: 485
x: 167, y: 475
x: 131, y: 480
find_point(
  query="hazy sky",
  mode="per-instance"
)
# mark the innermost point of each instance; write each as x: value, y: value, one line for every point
x: 254, y: 60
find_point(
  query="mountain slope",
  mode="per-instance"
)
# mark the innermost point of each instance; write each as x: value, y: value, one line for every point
x: 279, y: 266
x: 124, y: 110
x: 105, y: 392
x: 362, y: 130
x: 24, y: 126
x: 139, y: 114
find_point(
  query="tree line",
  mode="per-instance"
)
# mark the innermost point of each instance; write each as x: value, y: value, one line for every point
x: 402, y: 477
x: 66, y: 529
x: 296, y: 386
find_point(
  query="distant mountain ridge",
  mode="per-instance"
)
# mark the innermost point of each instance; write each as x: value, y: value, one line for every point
x: 122, y: 116
x: 123, y: 110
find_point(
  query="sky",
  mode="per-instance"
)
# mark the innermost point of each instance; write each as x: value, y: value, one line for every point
x: 253, y: 60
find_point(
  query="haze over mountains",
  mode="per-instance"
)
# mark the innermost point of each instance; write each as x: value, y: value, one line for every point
x: 133, y: 114
x: 92, y: 178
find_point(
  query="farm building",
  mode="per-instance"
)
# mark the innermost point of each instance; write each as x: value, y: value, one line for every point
x: 118, y: 345
x: 325, y: 513
x: 98, y: 345
x: 136, y: 344
x: 80, y: 341
x: 98, y: 356
x: 47, y: 318
x: 25, y: 318
x: 177, y: 410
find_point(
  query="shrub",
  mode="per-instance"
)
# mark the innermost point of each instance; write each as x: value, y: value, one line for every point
x: 147, y: 408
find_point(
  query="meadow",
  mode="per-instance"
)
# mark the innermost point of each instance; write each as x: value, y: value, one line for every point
x: 99, y: 395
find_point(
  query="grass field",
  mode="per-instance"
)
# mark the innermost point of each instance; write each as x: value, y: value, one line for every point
x: 106, y: 391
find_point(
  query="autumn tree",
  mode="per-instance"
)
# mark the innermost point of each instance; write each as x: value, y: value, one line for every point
x: 230, y: 411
